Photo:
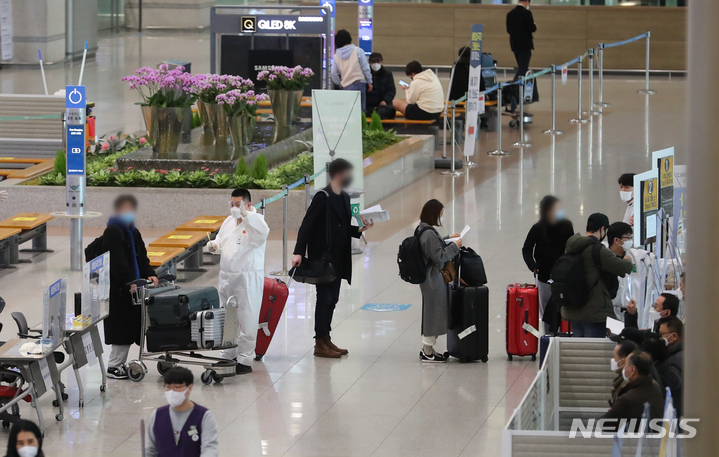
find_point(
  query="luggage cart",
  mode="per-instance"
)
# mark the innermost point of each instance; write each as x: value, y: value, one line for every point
x: 216, y: 369
x: 512, y: 100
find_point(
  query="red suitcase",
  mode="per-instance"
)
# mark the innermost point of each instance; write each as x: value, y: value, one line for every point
x: 522, y: 307
x: 274, y: 298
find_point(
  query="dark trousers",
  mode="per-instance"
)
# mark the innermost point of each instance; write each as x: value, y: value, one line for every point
x: 589, y: 329
x: 523, y: 57
x: 327, y: 297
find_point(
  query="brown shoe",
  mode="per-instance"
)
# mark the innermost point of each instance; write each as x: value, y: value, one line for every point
x: 322, y: 349
x: 335, y: 348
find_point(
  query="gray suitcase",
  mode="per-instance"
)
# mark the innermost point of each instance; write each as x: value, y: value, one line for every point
x: 206, y: 328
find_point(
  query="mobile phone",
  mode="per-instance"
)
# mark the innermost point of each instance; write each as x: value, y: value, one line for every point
x: 403, y: 84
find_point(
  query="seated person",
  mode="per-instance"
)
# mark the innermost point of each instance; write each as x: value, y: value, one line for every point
x: 639, y: 389
x: 182, y: 428
x: 671, y: 370
x: 666, y: 305
x: 460, y: 80
x: 621, y: 352
x: 424, y: 96
x: 383, y: 88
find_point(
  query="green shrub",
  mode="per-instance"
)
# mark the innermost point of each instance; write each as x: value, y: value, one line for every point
x: 128, y: 179
x: 221, y: 181
x: 52, y: 179
x: 198, y: 178
x: 175, y: 178
x: 259, y: 167
x: 268, y: 183
x: 151, y: 178
x: 376, y: 140
x: 242, y: 167
x: 241, y: 181
x: 60, y: 162
x: 100, y: 178
x: 376, y: 122
x: 290, y: 172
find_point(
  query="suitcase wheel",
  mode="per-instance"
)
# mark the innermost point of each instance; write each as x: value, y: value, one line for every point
x: 206, y: 377
x: 509, y: 357
x: 484, y: 359
x: 258, y: 357
x: 534, y: 357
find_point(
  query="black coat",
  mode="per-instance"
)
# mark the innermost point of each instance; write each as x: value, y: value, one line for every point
x: 544, y: 245
x: 312, y: 236
x: 671, y: 371
x: 629, y: 403
x: 383, y: 89
x: 122, y: 325
x: 520, y: 26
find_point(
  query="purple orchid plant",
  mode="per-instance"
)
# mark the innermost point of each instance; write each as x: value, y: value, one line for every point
x: 162, y: 87
x: 286, y: 78
x: 208, y: 87
x: 240, y: 103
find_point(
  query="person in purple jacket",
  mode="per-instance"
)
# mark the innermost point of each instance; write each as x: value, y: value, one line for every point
x: 182, y: 428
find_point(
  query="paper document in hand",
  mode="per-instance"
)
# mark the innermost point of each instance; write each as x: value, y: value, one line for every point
x: 615, y: 326
x: 372, y: 215
x: 461, y: 235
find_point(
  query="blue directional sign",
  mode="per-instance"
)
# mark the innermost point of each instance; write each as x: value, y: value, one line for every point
x: 75, y: 97
x: 365, y: 16
x: 330, y: 4
x: 76, y: 149
x: 385, y: 307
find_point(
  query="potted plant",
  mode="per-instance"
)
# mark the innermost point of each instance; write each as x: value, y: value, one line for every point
x: 215, y: 129
x: 241, y: 109
x: 285, y: 86
x: 164, y: 104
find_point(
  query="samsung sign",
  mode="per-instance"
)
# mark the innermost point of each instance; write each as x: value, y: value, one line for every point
x: 284, y: 23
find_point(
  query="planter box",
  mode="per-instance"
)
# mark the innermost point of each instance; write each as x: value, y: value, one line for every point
x: 384, y: 172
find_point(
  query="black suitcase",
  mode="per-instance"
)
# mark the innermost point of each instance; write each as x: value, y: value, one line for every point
x: 170, y: 338
x: 174, y: 306
x: 468, y: 333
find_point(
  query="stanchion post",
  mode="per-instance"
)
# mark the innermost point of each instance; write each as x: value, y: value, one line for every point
x: 591, y: 111
x: 579, y: 119
x: 453, y: 172
x: 521, y: 143
x: 262, y: 206
x: 498, y: 151
x: 553, y: 130
x: 283, y: 272
x: 646, y: 89
x: 444, y: 133
x: 307, y: 190
x: 600, y: 49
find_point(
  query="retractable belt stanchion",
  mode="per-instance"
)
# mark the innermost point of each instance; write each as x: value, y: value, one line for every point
x: 553, y: 130
x: 601, y: 102
x: 521, y: 143
x: 498, y: 151
x: 307, y: 190
x: 579, y: 119
x: 283, y: 271
x: 591, y: 111
x: 646, y: 89
x: 603, y: 46
x: 453, y: 172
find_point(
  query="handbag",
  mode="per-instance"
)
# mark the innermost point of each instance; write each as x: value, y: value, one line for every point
x: 448, y: 271
x: 472, y: 267
x: 317, y: 271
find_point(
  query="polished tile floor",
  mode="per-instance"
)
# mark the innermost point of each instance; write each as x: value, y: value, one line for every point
x: 380, y: 400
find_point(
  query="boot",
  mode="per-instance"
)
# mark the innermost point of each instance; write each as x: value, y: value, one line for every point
x: 335, y: 348
x: 322, y: 349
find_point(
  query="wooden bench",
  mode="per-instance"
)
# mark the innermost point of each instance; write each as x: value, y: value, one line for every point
x: 8, y: 244
x: 31, y: 137
x: 33, y: 226
x: 164, y: 260
x: 207, y: 223
x: 191, y: 241
x: 24, y: 168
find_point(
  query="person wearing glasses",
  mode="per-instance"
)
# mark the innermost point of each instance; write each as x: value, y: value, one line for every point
x: 181, y: 428
x: 241, y: 244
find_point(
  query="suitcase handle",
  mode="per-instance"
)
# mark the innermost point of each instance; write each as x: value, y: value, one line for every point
x: 526, y: 319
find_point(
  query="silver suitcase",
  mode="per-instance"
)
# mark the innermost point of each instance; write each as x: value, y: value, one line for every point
x: 206, y: 328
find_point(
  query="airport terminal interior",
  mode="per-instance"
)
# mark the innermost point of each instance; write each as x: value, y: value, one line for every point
x: 381, y: 399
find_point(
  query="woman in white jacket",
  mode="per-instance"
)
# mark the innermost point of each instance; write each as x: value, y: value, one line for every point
x: 424, y: 96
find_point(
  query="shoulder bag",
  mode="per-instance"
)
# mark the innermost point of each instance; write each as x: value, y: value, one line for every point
x: 317, y: 271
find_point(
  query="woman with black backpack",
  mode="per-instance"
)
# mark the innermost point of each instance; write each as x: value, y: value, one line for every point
x: 435, y: 292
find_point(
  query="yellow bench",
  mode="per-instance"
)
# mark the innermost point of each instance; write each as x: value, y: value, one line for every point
x: 8, y: 244
x: 202, y: 223
x: 164, y: 260
x: 33, y: 226
x: 191, y: 242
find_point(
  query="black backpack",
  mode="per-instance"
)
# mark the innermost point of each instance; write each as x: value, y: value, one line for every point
x: 94, y: 249
x: 411, y: 260
x: 568, y: 282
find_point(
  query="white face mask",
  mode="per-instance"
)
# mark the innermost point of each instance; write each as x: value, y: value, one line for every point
x: 615, y: 364
x: 624, y: 374
x: 27, y: 451
x: 376, y: 66
x: 175, y: 398
x: 654, y: 315
x: 626, y: 195
x: 628, y: 245
x: 236, y: 212
x: 441, y: 220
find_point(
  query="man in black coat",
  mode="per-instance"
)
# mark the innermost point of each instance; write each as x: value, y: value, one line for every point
x: 331, y: 204
x: 383, y: 88
x: 128, y: 262
x: 520, y: 26
x: 671, y: 369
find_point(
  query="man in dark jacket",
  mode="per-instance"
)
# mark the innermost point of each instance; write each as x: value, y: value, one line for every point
x: 671, y: 370
x: 520, y: 26
x: 590, y: 320
x: 666, y: 305
x: 639, y: 388
x: 128, y: 262
x: 383, y: 88
x: 331, y: 204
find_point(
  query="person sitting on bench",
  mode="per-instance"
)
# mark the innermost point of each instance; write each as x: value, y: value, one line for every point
x: 424, y: 95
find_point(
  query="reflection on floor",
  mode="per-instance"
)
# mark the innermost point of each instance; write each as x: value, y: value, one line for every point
x: 378, y: 401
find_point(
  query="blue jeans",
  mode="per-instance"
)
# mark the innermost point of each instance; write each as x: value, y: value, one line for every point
x: 589, y: 329
x: 361, y: 86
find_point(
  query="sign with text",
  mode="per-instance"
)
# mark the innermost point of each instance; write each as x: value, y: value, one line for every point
x: 664, y: 162
x: 284, y: 23
x: 53, y: 313
x: 473, y: 91
x: 6, y: 43
x: 96, y: 287
x: 365, y: 16
x: 89, y: 348
x: 385, y: 307
x: 680, y: 202
x: 337, y: 119
x: 564, y: 75
x: 645, y: 213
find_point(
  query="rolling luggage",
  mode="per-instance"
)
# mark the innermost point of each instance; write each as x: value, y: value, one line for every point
x: 174, y: 306
x: 522, y: 307
x: 274, y: 298
x: 468, y: 332
x: 206, y: 328
x: 170, y: 338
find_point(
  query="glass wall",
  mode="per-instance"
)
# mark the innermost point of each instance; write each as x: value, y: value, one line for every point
x: 110, y: 14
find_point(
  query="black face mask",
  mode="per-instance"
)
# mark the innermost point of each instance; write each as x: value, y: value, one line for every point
x: 346, y: 182
x: 601, y: 237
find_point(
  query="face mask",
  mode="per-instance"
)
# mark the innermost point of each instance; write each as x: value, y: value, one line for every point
x: 376, y: 66
x: 441, y: 220
x: 559, y: 215
x: 628, y: 245
x: 346, y: 182
x: 626, y: 195
x: 654, y: 315
x: 680, y: 294
x: 175, y: 398
x: 27, y: 451
x: 236, y: 212
x: 624, y: 374
x: 128, y: 217
x: 615, y: 364
x: 602, y: 236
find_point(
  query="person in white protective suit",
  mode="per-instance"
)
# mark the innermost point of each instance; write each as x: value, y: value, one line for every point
x: 632, y: 286
x: 241, y: 244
